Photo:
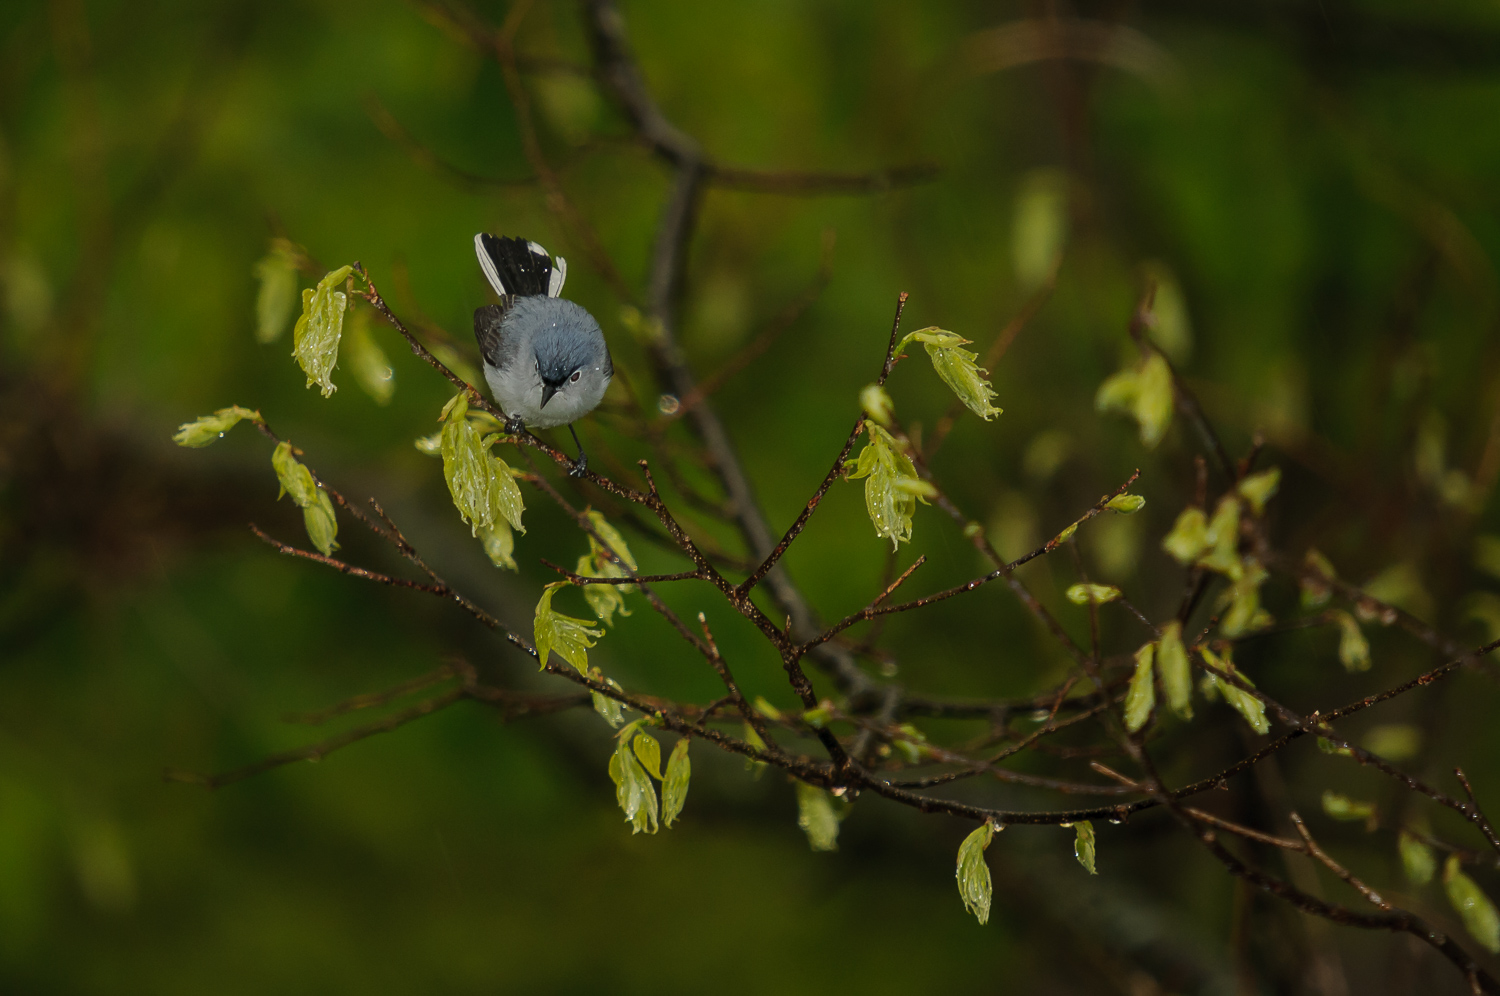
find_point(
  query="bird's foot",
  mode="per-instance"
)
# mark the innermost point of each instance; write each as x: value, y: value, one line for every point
x: 580, y: 466
x: 515, y: 425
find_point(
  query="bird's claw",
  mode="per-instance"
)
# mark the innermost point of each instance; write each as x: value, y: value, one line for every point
x: 515, y: 425
x: 580, y: 466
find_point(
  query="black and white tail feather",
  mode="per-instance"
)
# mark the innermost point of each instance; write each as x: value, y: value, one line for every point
x: 519, y: 267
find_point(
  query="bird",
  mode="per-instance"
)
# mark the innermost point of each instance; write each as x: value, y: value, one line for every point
x: 545, y: 358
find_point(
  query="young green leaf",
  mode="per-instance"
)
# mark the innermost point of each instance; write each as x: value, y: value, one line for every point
x: 1141, y: 698
x: 876, y: 404
x: 277, y: 296
x: 756, y: 768
x: 613, y: 710
x: 556, y: 633
x: 1039, y: 229
x: 817, y: 817
x: 317, y: 508
x: 1154, y: 400
x: 1083, y: 594
x: 484, y: 490
x: 1329, y: 747
x: 367, y: 361
x: 1417, y: 859
x: 315, y: 338
x: 1341, y: 807
x: 1171, y: 327
x: 1257, y: 489
x: 1354, y: 649
x: 1176, y: 672
x: 604, y: 599
x: 648, y: 749
x: 633, y: 789
x: 1393, y: 741
x: 1188, y: 539
x: 957, y: 368
x: 1247, y: 705
x: 1473, y: 906
x: 974, y: 885
x: 1222, y: 539
x: 208, y: 428
x: 1242, y: 599
x: 674, y: 788
x: 499, y: 544
x: 763, y: 706
x: 1083, y: 845
x: 892, y: 488
x: 431, y: 445
x: 1126, y: 504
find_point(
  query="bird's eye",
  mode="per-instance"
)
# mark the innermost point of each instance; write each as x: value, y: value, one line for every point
x: 576, y: 374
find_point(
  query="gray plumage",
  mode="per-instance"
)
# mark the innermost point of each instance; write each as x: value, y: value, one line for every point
x: 545, y: 358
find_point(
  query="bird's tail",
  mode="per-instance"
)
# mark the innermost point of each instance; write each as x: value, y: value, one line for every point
x: 518, y: 266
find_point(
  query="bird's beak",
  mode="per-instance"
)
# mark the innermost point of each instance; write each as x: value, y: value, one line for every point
x: 548, y: 390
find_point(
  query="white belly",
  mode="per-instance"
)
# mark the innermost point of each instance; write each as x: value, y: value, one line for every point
x: 518, y: 391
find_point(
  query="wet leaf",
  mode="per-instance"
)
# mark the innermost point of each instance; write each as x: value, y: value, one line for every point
x: 1141, y: 698
x: 367, y: 361
x: 499, y: 544
x: 612, y: 539
x: 1329, y: 747
x: 431, y: 445
x: 1472, y: 905
x: 1417, y: 859
x: 1354, y: 649
x: 648, y: 749
x: 209, y: 428
x: 817, y: 818
x: 892, y: 486
x: 613, y: 710
x: 1127, y: 504
x: 958, y: 369
x: 277, y: 296
x: 315, y: 338
x: 1083, y: 846
x: 556, y: 633
x: 1257, y: 489
x: 1247, y: 705
x: 1176, y: 672
x: 1083, y: 594
x: 674, y: 788
x: 974, y: 884
x: 876, y: 404
x: 1242, y: 598
x: 633, y: 789
x: 1188, y: 539
x: 317, y: 508
x: 1153, y: 402
x: 1222, y: 538
x: 484, y: 490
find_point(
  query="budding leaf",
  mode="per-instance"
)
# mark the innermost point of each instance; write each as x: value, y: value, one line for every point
x: 1257, y: 489
x: 958, y: 369
x: 674, y: 788
x: 1329, y: 747
x: 876, y: 404
x: 569, y: 638
x: 317, y: 508
x: 1189, y: 536
x: 483, y: 489
x: 1083, y: 594
x: 974, y: 885
x: 1127, y: 504
x: 613, y: 710
x: 755, y: 767
x: 431, y: 445
x: 277, y: 273
x: 1354, y: 649
x: 1243, y: 601
x: 499, y: 544
x: 892, y: 487
x: 367, y: 361
x: 1141, y: 697
x: 1083, y: 846
x: 1176, y: 673
x: 1222, y: 539
x: 1143, y: 392
x: 315, y: 338
x: 633, y: 789
x: 1341, y: 807
x: 1247, y: 705
x: 207, y: 428
x: 648, y: 749
x: 1417, y: 859
x: 817, y: 818
x: 1473, y: 906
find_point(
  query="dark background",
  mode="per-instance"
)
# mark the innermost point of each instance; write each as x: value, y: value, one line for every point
x: 1318, y: 178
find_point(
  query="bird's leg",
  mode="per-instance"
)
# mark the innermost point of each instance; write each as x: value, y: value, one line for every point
x: 582, y: 463
x: 515, y: 425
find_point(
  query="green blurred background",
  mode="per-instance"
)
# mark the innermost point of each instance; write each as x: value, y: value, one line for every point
x: 1315, y: 182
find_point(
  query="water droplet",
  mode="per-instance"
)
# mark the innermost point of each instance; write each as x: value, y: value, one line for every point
x: 668, y: 404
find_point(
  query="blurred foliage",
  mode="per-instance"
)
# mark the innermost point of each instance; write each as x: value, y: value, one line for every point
x: 1311, y: 186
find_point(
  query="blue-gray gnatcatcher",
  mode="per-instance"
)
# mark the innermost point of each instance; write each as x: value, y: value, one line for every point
x: 544, y: 358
